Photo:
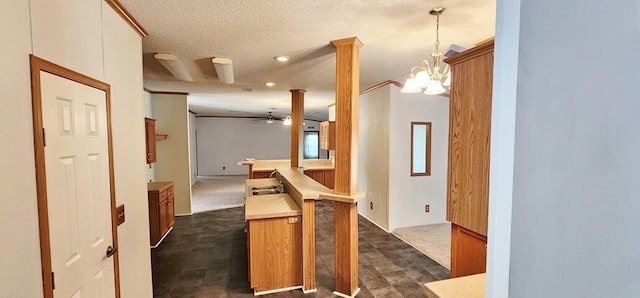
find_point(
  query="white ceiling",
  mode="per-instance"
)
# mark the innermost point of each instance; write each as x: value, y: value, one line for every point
x: 397, y: 35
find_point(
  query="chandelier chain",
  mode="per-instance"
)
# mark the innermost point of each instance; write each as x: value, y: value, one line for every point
x: 437, y: 43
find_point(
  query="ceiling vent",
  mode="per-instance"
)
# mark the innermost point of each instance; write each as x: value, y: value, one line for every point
x: 174, y: 66
x: 224, y: 69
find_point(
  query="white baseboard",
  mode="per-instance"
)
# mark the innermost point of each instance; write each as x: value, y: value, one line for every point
x: 345, y: 295
x: 275, y: 291
x: 165, y: 235
x: 374, y: 223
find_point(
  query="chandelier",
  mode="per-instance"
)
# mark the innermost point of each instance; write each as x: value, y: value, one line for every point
x: 427, y: 77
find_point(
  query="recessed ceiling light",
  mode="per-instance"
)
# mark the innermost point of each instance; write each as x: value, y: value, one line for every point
x: 270, y: 84
x: 281, y: 58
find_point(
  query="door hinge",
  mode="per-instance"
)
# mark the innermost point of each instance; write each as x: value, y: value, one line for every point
x: 53, y: 280
x: 44, y: 138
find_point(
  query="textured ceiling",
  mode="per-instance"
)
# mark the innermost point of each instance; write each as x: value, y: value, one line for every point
x: 396, y: 34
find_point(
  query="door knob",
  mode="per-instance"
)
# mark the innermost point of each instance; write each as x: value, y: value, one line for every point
x: 111, y: 251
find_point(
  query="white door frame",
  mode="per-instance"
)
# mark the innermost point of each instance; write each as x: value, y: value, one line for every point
x: 40, y: 65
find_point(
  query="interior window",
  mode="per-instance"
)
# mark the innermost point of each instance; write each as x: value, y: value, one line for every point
x: 311, y: 145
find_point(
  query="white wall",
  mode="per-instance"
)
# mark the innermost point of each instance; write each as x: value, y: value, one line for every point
x: 172, y: 117
x: 20, y: 275
x: 193, y: 161
x: 88, y: 37
x: 373, y: 164
x: 408, y: 195
x: 123, y: 70
x: 577, y: 168
x: 222, y: 142
x: 385, y: 158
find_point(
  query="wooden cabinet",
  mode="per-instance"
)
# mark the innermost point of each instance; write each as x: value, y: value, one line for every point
x: 150, y: 136
x: 161, y: 210
x: 259, y: 175
x: 275, y: 253
x: 468, y: 252
x: 329, y: 178
x: 468, y: 170
x: 324, y: 177
x: 328, y: 135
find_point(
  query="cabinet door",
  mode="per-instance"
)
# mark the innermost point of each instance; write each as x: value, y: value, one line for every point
x: 469, y: 138
x: 154, y: 218
x: 171, y: 212
x: 163, y: 213
x: 150, y: 134
x: 468, y: 252
x: 329, y: 179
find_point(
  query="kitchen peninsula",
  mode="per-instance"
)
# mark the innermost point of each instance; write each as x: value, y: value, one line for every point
x: 281, y: 230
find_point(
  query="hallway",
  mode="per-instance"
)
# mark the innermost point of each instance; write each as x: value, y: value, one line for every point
x: 205, y: 256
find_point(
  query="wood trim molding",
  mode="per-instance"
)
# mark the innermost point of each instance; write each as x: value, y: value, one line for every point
x: 483, y: 48
x: 166, y: 92
x: 428, y: 149
x: 39, y: 65
x: 127, y: 17
x: 381, y: 84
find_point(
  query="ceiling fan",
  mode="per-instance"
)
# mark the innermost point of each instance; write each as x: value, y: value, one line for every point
x: 269, y: 118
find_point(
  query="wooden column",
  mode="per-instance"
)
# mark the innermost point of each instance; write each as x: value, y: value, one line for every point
x: 297, y: 128
x: 309, y: 246
x: 346, y: 164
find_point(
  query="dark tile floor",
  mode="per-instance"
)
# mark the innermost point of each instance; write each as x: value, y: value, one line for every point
x: 205, y: 256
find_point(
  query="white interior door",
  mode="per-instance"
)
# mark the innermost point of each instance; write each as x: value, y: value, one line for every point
x: 78, y: 191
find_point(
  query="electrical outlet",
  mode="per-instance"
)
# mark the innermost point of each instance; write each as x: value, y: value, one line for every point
x: 426, y: 208
x: 371, y: 205
x: 293, y: 220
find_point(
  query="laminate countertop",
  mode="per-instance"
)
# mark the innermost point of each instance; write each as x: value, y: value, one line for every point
x: 270, y: 206
x: 310, y: 189
x: 158, y: 185
x: 271, y: 165
x: 471, y: 286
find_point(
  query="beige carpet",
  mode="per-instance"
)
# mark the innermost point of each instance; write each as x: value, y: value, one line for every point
x: 217, y: 192
x: 432, y: 240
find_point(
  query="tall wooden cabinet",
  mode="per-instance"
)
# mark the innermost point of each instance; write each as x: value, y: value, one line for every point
x: 468, y: 171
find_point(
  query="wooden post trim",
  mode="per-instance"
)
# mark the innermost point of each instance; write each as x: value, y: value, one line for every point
x: 346, y: 164
x: 297, y: 128
x: 347, y: 107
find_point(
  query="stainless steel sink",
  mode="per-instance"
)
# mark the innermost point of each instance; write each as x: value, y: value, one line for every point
x: 267, y: 191
x: 264, y: 187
